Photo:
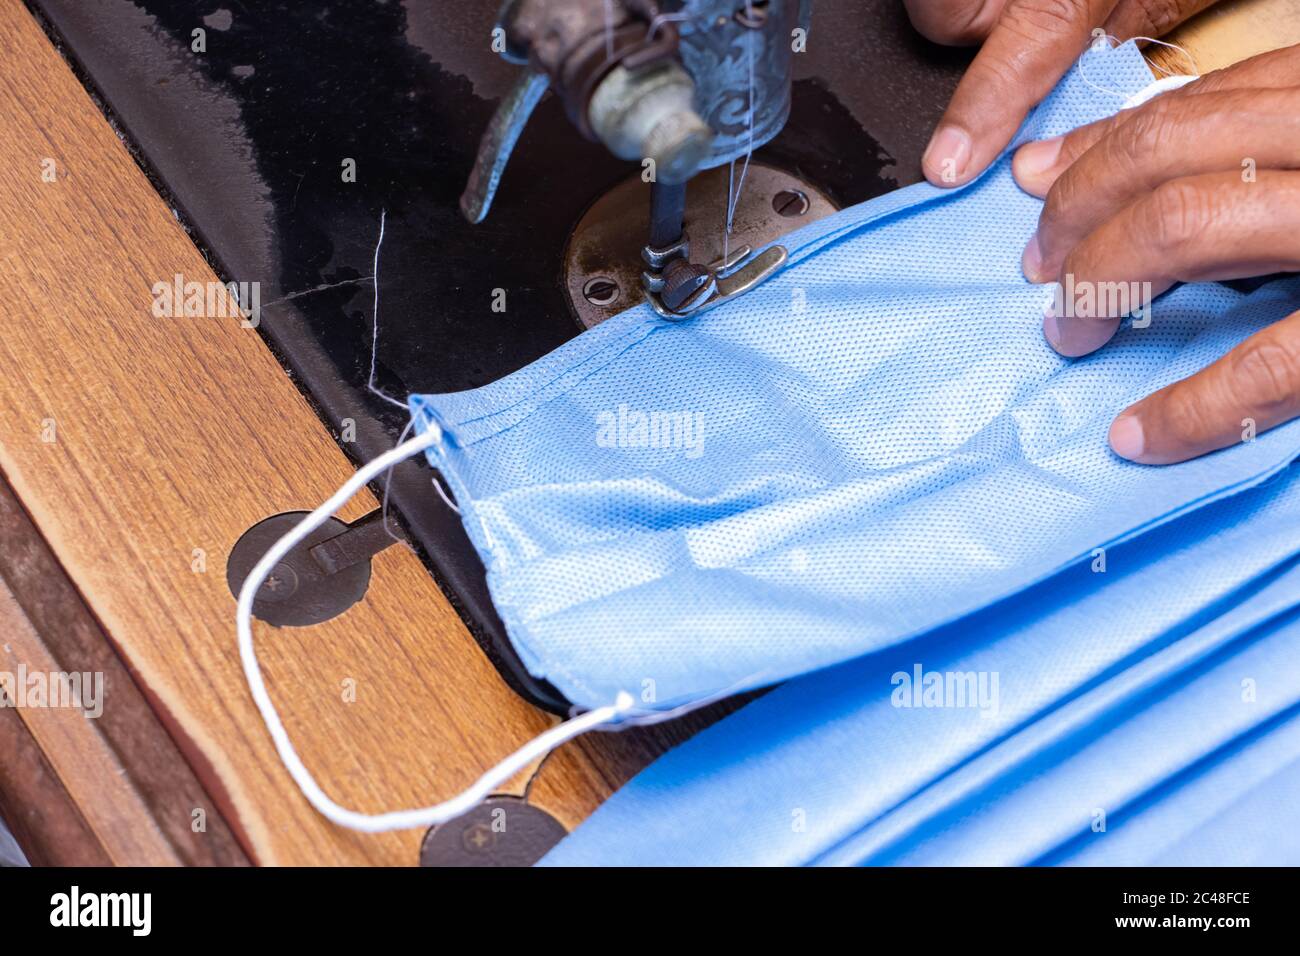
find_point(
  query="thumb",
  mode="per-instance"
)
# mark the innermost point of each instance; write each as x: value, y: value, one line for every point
x: 1031, y: 46
x: 1254, y: 387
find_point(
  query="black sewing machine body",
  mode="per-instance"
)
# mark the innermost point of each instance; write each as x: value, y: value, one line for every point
x: 283, y: 139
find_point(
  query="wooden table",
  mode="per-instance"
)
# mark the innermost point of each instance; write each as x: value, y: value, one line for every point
x: 134, y: 451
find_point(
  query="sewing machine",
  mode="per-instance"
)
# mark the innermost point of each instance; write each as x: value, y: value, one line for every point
x: 682, y: 87
x: 679, y: 95
x: 616, y: 143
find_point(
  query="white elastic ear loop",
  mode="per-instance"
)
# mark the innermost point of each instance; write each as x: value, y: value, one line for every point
x: 398, y: 819
x: 1154, y: 89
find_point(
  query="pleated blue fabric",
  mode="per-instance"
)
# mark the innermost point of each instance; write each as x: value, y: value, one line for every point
x: 1148, y: 713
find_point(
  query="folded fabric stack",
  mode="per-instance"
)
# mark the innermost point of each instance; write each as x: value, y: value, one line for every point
x: 1145, y: 714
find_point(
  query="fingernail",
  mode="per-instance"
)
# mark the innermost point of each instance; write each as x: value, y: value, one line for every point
x: 1126, y: 436
x: 1031, y: 260
x: 948, y: 155
x: 1051, y: 329
x: 1034, y: 161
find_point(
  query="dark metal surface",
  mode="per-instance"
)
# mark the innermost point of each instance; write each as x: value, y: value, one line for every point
x: 498, y: 142
x: 734, y: 47
x: 501, y: 831
x: 363, y: 539
x: 248, y: 139
x: 667, y: 213
x: 605, y: 242
x: 578, y: 44
x: 314, y: 582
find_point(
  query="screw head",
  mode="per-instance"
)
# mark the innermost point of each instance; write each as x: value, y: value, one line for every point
x: 500, y: 831
x: 791, y: 203
x: 478, y: 837
x: 600, y: 290
x: 280, y: 585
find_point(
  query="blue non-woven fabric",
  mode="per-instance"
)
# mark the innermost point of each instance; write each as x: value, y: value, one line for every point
x: 1244, y: 811
x: 874, y: 442
x: 1162, y: 691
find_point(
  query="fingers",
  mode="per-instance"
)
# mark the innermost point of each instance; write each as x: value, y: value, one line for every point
x: 1200, y: 228
x: 1038, y: 165
x: 1253, y: 388
x: 953, y: 22
x: 1032, y: 45
x: 1171, y: 139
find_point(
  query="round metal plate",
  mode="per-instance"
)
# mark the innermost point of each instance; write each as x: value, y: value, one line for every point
x: 602, y: 262
x: 500, y: 831
x: 298, y: 592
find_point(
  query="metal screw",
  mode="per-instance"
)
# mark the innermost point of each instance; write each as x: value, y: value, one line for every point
x: 790, y: 203
x: 279, y: 585
x: 600, y: 290
x: 478, y: 837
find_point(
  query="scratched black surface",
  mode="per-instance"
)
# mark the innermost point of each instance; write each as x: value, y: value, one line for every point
x: 247, y: 140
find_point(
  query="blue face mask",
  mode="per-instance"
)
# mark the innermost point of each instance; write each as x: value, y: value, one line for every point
x: 872, y: 443
x: 1144, y: 714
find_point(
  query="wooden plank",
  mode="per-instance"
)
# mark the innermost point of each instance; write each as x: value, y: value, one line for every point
x: 148, y: 806
x: 43, y: 817
x: 140, y: 445
x: 1228, y: 32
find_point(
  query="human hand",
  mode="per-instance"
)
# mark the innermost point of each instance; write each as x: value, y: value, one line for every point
x: 1199, y: 184
x: 1028, y: 45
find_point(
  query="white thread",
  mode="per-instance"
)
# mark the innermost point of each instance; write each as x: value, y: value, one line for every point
x: 644, y: 718
x: 374, y: 348
x: 1155, y: 66
x: 374, y: 332
x: 437, y: 486
x: 396, y: 819
x: 733, y: 195
x: 388, y: 480
x: 1172, y: 46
